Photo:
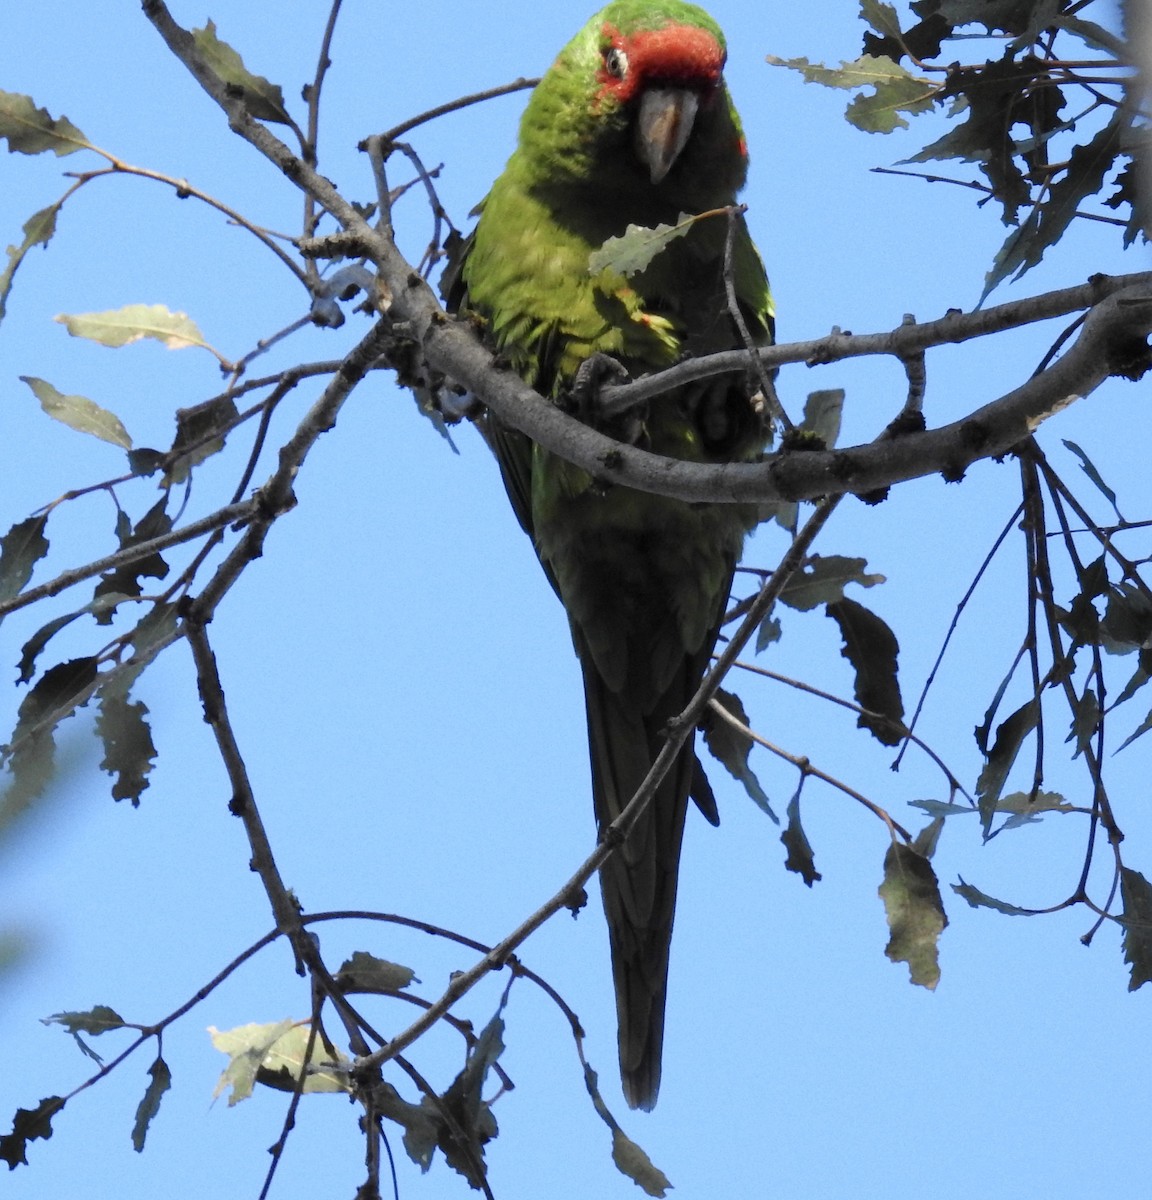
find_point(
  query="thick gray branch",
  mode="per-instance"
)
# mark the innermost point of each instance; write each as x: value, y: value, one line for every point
x: 452, y: 348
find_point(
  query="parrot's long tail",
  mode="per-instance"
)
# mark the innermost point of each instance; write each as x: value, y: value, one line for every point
x: 638, y: 881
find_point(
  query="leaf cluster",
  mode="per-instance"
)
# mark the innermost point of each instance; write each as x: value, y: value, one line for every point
x: 1044, y: 101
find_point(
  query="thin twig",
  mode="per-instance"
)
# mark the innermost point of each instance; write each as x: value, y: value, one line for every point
x: 804, y: 765
x: 517, y: 85
x: 238, y: 513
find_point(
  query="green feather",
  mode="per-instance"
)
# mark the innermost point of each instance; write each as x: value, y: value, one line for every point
x: 644, y: 579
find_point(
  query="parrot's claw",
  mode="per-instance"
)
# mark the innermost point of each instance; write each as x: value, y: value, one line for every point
x: 592, y: 374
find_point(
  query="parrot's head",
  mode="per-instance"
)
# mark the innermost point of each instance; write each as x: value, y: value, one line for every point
x: 660, y: 76
x: 638, y: 97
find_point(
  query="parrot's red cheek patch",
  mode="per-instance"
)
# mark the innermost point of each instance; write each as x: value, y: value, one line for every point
x: 672, y: 56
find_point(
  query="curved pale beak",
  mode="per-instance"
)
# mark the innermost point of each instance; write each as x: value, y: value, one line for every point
x: 663, y: 127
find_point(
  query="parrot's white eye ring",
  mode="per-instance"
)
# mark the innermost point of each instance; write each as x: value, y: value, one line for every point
x: 616, y: 62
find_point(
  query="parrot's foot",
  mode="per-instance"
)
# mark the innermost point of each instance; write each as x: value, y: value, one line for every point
x: 592, y: 374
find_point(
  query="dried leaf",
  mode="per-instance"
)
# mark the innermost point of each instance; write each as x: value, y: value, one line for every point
x: 800, y: 857
x: 94, y: 1021
x: 159, y: 1081
x: 915, y: 913
x: 28, y: 1125
x: 871, y: 647
x: 1136, y: 894
x: 632, y: 1161
x: 129, y: 752
x: 365, y: 973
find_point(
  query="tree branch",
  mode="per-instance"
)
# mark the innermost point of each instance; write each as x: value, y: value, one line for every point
x: 451, y: 348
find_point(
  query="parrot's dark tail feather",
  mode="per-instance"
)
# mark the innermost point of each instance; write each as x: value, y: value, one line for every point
x: 638, y: 882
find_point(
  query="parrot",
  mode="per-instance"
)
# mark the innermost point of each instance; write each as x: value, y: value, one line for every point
x: 632, y: 125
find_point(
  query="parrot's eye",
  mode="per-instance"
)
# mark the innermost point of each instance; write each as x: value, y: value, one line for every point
x: 616, y: 63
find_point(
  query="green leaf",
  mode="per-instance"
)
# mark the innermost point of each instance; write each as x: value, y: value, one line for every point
x: 1136, y: 894
x: 731, y: 747
x: 1085, y: 722
x: 124, y: 580
x: 928, y: 838
x: 895, y: 89
x: 421, y: 1123
x: 79, y: 413
x: 863, y: 72
x: 21, y: 548
x: 134, y: 322
x: 871, y: 647
x: 264, y: 100
x: 38, y: 231
x: 900, y: 93
x: 822, y: 580
x: 1015, y: 17
x: 800, y: 858
x: 365, y: 973
x: 32, y: 130
x: 1087, y: 167
x: 1129, y: 197
x: 941, y: 808
x: 129, y: 752
x: 30, y: 756
x: 1081, y: 619
x: 1089, y: 469
x: 631, y: 1160
x: 769, y: 631
x: 284, y: 1061
x: 470, y: 1112
x: 34, y: 646
x: 996, y: 97
x: 1127, y: 621
x: 28, y: 1125
x: 160, y: 1080
x: 1026, y: 807
x: 94, y: 1021
x: 156, y: 630
x: 1010, y: 735
x: 1094, y: 35
x: 1139, y: 731
x: 882, y: 17
x: 274, y: 1056
x: 978, y: 899
x: 915, y: 913
x: 822, y: 412
x: 634, y: 250
x: 1138, y: 679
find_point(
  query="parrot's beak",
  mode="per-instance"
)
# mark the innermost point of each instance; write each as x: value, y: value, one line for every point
x: 663, y: 127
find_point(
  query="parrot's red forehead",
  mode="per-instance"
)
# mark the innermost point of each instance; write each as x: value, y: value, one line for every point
x: 673, y: 55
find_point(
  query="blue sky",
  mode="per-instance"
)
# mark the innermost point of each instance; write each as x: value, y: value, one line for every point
x: 402, y: 684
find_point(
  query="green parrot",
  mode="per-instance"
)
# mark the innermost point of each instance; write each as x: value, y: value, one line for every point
x: 632, y: 124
